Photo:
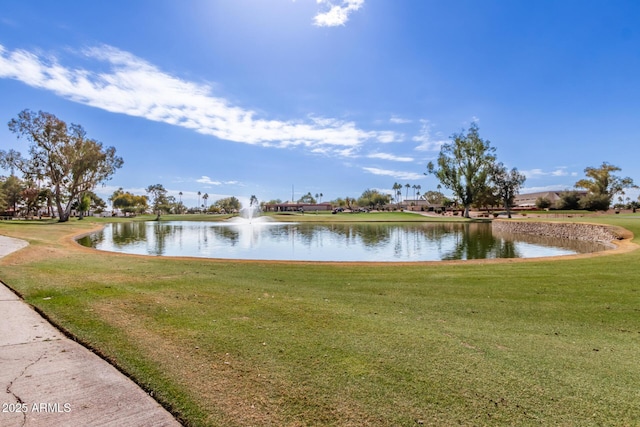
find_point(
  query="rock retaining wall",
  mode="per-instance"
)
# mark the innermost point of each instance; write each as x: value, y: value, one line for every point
x: 587, y: 232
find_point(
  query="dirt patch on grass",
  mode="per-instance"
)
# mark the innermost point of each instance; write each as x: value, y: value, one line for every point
x: 229, y: 387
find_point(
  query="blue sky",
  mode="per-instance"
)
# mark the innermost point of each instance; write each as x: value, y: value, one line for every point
x: 242, y: 97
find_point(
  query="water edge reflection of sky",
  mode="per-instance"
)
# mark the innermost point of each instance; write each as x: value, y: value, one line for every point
x: 390, y: 242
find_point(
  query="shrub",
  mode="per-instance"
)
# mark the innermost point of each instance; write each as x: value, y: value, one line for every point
x: 595, y: 202
x: 569, y: 200
x: 543, y: 203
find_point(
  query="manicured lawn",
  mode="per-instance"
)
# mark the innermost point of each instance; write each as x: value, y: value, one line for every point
x: 224, y: 343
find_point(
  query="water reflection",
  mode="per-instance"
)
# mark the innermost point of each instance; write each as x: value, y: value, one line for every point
x: 328, y: 242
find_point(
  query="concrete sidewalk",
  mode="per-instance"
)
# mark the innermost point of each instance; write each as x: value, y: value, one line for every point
x: 49, y: 380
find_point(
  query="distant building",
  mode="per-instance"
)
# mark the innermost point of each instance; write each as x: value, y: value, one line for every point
x: 529, y: 200
x: 296, y: 206
x: 415, y: 205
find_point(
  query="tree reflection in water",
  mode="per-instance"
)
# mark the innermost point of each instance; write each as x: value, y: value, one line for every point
x: 328, y: 242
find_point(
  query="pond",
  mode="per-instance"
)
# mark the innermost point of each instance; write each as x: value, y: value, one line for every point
x: 386, y: 242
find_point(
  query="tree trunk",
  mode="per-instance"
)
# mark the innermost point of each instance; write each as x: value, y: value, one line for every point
x: 507, y: 208
x: 63, y: 214
x: 466, y: 212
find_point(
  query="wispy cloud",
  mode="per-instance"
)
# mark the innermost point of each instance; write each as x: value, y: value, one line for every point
x: 337, y: 14
x: 558, y: 172
x: 387, y: 136
x: 208, y: 181
x: 427, y: 143
x: 395, y: 174
x: 399, y: 120
x: 130, y: 85
x: 387, y: 156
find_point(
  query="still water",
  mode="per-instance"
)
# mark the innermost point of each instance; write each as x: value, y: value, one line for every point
x: 330, y: 242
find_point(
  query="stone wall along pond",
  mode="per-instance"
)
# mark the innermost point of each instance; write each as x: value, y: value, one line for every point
x: 561, y: 230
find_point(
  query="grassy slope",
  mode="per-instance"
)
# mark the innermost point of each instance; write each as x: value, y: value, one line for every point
x: 236, y: 343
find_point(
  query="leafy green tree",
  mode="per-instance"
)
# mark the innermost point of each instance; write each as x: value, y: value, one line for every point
x: 543, y: 203
x: 12, y: 188
x: 569, y: 200
x: 229, y: 204
x: 158, y: 196
x: 465, y: 166
x: 487, y: 199
x: 84, y: 205
x: 128, y: 202
x: 62, y: 156
x: 595, y: 202
x: 373, y: 199
x: 307, y: 198
x: 507, y: 184
x: 30, y: 196
x: 602, y: 185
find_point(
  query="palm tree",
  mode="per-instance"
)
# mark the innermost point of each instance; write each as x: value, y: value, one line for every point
x: 199, y: 200
x: 180, y: 194
x: 205, y: 197
x: 407, y: 186
x: 396, y: 191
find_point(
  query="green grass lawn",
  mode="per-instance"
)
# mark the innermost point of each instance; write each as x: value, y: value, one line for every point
x: 224, y: 343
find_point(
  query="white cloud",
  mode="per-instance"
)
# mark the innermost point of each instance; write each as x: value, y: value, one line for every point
x: 399, y: 120
x: 208, y: 181
x: 387, y: 156
x: 395, y: 174
x: 534, y: 173
x: 537, y: 173
x: 387, y: 137
x: 337, y: 14
x: 425, y: 139
x: 130, y: 85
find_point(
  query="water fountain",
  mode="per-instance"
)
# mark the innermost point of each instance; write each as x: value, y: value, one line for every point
x: 251, y: 214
